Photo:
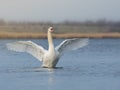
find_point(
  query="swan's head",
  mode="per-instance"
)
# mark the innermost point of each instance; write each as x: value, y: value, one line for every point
x: 50, y: 29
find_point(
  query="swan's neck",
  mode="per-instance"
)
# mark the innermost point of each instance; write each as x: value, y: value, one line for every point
x: 50, y: 42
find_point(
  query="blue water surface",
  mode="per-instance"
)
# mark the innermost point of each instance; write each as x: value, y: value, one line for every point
x: 94, y: 67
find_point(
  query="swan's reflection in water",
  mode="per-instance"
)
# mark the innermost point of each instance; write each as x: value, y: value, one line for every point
x: 51, y: 76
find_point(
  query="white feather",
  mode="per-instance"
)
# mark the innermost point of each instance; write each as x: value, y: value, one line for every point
x: 71, y: 44
x: 29, y: 47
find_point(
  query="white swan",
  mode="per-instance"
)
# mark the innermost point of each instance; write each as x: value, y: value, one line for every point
x: 51, y: 56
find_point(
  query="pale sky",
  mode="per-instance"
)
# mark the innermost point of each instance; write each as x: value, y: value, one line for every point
x: 59, y: 10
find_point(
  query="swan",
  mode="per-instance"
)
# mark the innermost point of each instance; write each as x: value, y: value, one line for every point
x: 51, y: 56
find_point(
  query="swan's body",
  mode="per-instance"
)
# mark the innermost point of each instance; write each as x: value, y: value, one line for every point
x: 51, y: 56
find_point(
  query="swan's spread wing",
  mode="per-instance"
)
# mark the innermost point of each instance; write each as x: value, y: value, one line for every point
x: 71, y: 44
x: 29, y: 47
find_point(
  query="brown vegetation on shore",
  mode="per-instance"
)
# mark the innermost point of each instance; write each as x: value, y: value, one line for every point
x: 4, y: 35
x: 88, y: 29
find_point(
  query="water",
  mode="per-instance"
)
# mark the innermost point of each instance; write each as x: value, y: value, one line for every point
x: 94, y: 67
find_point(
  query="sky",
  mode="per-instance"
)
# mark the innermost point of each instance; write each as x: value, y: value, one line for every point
x: 59, y: 10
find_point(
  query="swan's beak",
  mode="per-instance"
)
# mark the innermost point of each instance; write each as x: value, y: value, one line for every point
x: 52, y: 30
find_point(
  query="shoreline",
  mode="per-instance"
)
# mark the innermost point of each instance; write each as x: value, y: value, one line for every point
x: 15, y: 35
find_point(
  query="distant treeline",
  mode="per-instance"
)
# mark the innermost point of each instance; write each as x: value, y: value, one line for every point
x: 88, y: 26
